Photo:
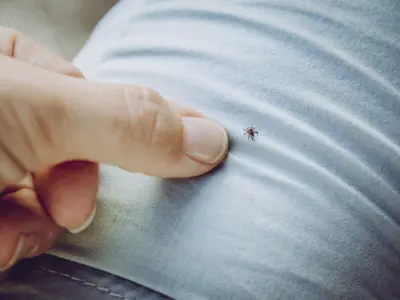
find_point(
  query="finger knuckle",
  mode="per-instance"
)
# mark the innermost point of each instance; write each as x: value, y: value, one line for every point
x: 154, y: 123
x: 143, y: 106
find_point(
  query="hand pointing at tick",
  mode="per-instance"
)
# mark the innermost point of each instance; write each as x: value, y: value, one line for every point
x: 55, y: 129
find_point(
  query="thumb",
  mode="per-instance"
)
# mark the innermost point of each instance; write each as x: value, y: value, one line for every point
x: 47, y: 118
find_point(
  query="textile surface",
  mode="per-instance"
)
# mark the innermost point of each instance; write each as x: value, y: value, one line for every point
x: 311, y: 209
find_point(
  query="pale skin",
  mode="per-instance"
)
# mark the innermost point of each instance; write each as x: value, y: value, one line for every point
x: 56, y: 127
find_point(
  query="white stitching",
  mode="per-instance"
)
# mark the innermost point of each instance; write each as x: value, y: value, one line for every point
x: 103, y: 289
x: 116, y: 295
x: 76, y: 279
x: 87, y: 283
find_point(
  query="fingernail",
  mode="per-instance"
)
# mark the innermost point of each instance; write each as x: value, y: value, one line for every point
x: 86, y: 224
x: 27, y: 246
x: 205, y: 140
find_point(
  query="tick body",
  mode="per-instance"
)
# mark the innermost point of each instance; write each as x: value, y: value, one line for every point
x: 251, y: 132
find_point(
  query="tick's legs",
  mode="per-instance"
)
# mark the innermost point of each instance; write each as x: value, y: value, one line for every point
x: 256, y: 132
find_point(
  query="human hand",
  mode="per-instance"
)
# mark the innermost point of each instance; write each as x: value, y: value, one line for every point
x: 54, y: 129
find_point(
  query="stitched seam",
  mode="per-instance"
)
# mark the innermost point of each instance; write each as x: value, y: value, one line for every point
x: 87, y: 283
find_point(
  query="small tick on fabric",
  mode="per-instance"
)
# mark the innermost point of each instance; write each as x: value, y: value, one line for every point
x: 251, y: 132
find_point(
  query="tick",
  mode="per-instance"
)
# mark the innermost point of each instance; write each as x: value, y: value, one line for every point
x: 251, y: 132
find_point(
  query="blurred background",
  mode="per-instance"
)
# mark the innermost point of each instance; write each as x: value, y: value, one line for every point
x: 61, y: 25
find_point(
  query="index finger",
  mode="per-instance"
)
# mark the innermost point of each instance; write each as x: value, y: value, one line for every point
x: 129, y: 126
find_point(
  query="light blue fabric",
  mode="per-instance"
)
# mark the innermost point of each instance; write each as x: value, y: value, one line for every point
x: 311, y: 209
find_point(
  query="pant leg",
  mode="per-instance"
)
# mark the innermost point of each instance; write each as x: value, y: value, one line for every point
x: 51, y: 278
